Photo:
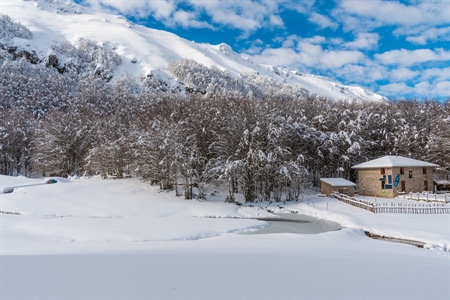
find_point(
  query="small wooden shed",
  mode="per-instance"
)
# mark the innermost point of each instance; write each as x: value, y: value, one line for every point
x: 340, y: 185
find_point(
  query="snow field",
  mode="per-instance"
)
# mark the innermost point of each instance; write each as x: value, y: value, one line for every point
x: 115, y: 211
x: 122, y: 239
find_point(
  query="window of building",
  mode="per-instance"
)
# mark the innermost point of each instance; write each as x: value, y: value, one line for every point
x: 383, y: 171
x: 410, y: 175
x: 402, y: 170
x: 425, y: 185
x: 424, y: 170
x: 383, y: 185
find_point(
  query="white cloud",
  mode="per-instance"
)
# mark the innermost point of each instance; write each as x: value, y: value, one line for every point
x: 434, y: 12
x: 373, y: 14
x: 308, y: 53
x: 419, y: 21
x: 364, y: 41
x: 165, y: 11
x: 393, y: 89
x: 317, y: 40
x: 432, y: 89
x: 411, y: 57
x: 431, y: 34
x: 336, y: 41
x: 363, y: 72
x: 427, y: 89
x: 303, y: 7
x: 161, y: 9
x: 423, y: 89
x: 293, y: 40
x: 323, y: 21
x: 188, y: 20
x: 374, y: 74
x: 440, y: 74
x: 256, y: 47
x: 227, y: 14
x: 277, y: 57
x: 382, y: 12
x: 416, y: 83
x: 336, y: 59
x: 442, y: 88
x: 403, y: 74
x: 276, y: 21
x: 247, y: 15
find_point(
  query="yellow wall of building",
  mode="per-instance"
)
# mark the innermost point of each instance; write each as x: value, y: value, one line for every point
x: 371, y: 185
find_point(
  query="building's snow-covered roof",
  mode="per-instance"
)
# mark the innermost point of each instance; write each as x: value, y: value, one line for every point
x: 442, y: 181
x: 337, y: 182
x: 390, y: 161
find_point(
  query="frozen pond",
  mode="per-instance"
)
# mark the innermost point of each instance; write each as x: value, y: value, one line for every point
x: 296, y: 223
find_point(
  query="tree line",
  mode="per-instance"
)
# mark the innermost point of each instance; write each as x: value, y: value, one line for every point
x: 267, y: 147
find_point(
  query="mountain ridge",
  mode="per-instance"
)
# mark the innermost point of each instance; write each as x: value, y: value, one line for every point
x: 145, y: 51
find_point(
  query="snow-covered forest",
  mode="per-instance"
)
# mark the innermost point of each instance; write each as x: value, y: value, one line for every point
x: 55, y: 124
x: 67, y: 115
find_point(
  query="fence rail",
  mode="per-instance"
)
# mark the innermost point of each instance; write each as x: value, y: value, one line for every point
x: 412, y: 210
x: 443, y: 198
x: 395, y: 208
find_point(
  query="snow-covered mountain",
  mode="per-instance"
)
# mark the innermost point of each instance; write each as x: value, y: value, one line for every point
x: 139, y: 50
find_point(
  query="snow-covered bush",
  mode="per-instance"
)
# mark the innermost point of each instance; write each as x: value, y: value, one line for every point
x: 212, y: 82
x: 98, y: 58
x: 10, y: 29
x: 87, y: 57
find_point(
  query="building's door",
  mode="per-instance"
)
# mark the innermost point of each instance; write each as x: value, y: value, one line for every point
x: 402, y: 186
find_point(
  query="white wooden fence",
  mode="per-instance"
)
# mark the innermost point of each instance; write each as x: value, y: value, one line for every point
x: 395, y: 207
x: 444, y: 198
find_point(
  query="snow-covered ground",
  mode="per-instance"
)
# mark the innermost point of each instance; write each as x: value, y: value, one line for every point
x: 122, y: 239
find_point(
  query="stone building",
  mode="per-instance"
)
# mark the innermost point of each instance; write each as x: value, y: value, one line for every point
x: 340, y: 185
x: 388, y: 175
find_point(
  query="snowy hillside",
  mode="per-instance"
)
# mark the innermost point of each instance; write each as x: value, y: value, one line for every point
x: 140, y: 50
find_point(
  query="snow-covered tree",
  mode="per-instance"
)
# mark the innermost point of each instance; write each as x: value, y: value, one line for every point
x: 60, y: 144
x: 10, y: 29
x: 16, y: 133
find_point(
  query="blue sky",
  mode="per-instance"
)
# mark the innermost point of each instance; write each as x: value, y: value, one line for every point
x: 400, y: 49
